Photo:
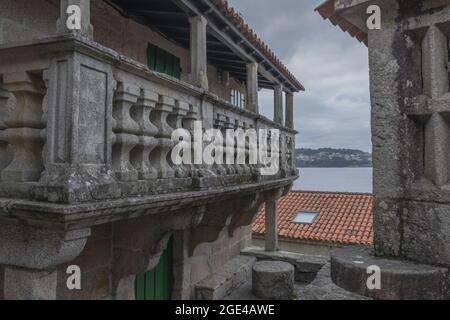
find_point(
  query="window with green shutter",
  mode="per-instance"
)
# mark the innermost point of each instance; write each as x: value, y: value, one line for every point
x: 162, y: 61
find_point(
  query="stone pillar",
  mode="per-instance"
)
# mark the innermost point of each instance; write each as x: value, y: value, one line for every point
x: 289, y: 110
x: 252, y: 87
x: 199, y: 66
x: 271, y: 224
x: 79, y: 133
x: 68, y: 20
x: 278, y: 104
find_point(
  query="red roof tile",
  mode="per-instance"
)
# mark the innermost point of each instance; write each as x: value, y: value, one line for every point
x: 251, y: 36
x: 327, y: 11
x: 345, y: 218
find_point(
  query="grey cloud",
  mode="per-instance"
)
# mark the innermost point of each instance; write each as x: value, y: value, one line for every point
x: 335, y: 109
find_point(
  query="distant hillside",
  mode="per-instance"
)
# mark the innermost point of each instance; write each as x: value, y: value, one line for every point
x: 332, y: 158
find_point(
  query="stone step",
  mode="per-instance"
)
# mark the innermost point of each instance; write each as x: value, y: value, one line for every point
x: 399, y: 280
x: 230, y: 277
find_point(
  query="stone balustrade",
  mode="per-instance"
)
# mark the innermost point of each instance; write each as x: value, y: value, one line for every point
x: 88, y: 124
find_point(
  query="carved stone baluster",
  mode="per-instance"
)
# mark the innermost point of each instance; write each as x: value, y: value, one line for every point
x: 219, y: 124
x: 229, y: 124
x: 283, y: 156
x: 188, y: 124
x: 125, y: 132
x: 158, y: 157
x: 23, y: 127
x: 255, y: 168
x: 240, y: 148
x: 140, y: 155
x: 4, y: 159
x: 175, y: 120
x: 247, y: 166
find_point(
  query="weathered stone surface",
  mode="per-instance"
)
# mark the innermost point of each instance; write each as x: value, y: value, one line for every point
x: 273, y: 280
x: 230, y: 277
x: 98, y: 153
x: 39, y: 248
x: 409, y: 84
x: 323, y: 288
x: 306, y: 266
x: 24, y: 284
x: 400, y: 280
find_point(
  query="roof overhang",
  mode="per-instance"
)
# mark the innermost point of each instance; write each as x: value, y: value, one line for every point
x: 333, y: 10
x: 228, y: 47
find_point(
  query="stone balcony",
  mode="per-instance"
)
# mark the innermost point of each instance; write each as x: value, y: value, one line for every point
x: 85, y: 140
x: 82, y: 123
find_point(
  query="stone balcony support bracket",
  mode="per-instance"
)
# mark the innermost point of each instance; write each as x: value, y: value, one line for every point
x: 31, y: 255
x: 139, y: 243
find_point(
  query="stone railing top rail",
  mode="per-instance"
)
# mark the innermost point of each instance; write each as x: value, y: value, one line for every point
x: 61, y: 43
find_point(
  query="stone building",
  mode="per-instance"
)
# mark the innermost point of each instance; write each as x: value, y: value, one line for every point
x: 410, y: 93
x: 86, y: 117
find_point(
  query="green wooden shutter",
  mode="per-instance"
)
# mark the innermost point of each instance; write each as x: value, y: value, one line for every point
x: 177, y: 68
x: 157, y: 283
x: 162, y: 61
x: 169, y: 64
x: 151, y: 56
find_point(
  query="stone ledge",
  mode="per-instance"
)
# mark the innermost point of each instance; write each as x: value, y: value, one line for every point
x: 230, y: 277
x: 306, y: 266
x: 101, y: 212
x: 400, y: 280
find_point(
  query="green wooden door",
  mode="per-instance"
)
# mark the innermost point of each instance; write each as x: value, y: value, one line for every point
x: 157, y: 283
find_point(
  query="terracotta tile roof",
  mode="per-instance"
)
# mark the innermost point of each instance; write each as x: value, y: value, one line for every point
x: 327, y: 11
x: 251, y: 36
x: 345, y: 218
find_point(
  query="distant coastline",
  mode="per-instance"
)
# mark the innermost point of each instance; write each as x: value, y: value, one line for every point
x: 332, y: 158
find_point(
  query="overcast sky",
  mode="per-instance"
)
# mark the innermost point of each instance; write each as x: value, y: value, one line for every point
x: 335, y: 109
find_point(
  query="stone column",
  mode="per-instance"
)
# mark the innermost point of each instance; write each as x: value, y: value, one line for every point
x: 278, y: 104
x: 69, y: 21
x: 289, y: 110
x: 271, y: 224
x: 199, y: 66
x: 252, y: 87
